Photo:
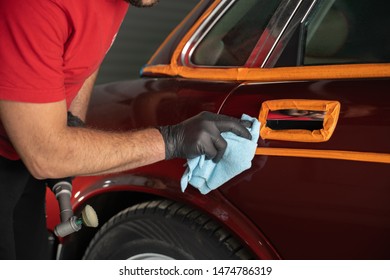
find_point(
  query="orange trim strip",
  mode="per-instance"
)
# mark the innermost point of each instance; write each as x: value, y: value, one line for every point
x: 298, y: 73
x: 325, y: 154
x: 263, y: 74
x: 331, y: 109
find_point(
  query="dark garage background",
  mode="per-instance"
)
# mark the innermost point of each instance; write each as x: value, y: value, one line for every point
x: 141, y: 33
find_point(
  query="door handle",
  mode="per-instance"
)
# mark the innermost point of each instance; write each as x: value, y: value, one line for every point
x: 305, y: 110
x: 298, y: 120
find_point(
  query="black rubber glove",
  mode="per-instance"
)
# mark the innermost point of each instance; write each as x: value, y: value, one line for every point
x: 201, y: 135
x: 74, y: 121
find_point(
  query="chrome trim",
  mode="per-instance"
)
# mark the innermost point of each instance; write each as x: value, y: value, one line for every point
x: 274, y: 28
x: 219, y: 11
x: 301, y: 12
x: 203, y: 30
x: 283, y: 29
x: 324, y: 7
x: 309, y: 10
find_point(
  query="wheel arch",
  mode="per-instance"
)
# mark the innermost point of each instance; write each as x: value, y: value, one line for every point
x: 112, y: 195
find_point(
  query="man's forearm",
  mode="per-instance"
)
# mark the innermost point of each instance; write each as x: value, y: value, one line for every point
x: 83, y: 151
x: 52, y: 149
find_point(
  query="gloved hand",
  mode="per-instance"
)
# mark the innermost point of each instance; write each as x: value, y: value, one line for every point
x: 200, y: 135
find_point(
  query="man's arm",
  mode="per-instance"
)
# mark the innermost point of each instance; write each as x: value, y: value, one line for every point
x: 51, y: 149
x: 80, y: 103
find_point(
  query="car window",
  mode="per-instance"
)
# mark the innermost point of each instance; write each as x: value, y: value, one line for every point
x: 346, y: 32
x: 232, y: 38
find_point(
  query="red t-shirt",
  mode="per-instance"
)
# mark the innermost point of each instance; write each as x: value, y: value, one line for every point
x: 48, y: 48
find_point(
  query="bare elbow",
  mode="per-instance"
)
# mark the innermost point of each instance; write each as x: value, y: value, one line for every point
x: 38, y: 171
x: 50, y: 161
x: 41, y: 168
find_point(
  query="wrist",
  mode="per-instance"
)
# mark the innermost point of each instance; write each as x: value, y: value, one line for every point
x: 166, y: 132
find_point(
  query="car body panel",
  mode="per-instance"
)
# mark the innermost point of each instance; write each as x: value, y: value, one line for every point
x: 326, y: 206
x: 171, y: 100
x: 299, y: 200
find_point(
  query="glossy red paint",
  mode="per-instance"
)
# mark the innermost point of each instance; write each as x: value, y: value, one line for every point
x: 282, y: 207
x: 148, y: 181
x: 314, y: 208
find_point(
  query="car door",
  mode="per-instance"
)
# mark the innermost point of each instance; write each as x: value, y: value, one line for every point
x: 317, y: 198
x: 314, y: 207
x: 318, y: 185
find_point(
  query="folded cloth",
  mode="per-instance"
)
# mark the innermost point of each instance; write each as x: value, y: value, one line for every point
x: 205, y: 175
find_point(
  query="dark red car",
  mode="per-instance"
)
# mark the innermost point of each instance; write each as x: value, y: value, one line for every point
x: 316, y: 74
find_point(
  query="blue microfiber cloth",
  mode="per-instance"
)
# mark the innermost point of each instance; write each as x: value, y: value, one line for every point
x: 205, y: 175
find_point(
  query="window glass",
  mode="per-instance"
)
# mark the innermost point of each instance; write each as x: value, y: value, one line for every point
x: 232, y: 39
x: 346, y: 32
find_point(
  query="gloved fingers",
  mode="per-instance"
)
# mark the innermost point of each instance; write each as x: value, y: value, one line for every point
x: 208, y: 149
x: 227, y: 123
x: 220, y: 145
x: 235, y: 126
x: 246, y: 123
x: 201, y: 134
x: 215, y: 149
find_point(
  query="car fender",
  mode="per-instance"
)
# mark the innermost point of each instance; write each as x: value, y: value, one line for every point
x: 214, y: 204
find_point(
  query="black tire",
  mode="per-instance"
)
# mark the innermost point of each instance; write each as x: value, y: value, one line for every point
x: 165, y: 229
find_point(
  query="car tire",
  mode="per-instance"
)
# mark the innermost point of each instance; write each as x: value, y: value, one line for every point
x: 163, y: 230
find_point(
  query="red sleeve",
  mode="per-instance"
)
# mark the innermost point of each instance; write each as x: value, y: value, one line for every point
x: 33, y: 34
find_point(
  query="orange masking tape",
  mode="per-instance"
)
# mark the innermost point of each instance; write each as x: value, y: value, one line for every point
x: 325, y: 154
x: 331, y: 109
x: 296, y: 73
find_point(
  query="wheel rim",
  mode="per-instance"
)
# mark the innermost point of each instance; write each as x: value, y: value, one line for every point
x: 150, y: 256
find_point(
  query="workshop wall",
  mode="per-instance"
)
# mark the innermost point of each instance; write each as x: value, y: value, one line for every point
x: 141, y: 33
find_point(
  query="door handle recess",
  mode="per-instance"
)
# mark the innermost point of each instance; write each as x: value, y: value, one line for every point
x: 298, y: 120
